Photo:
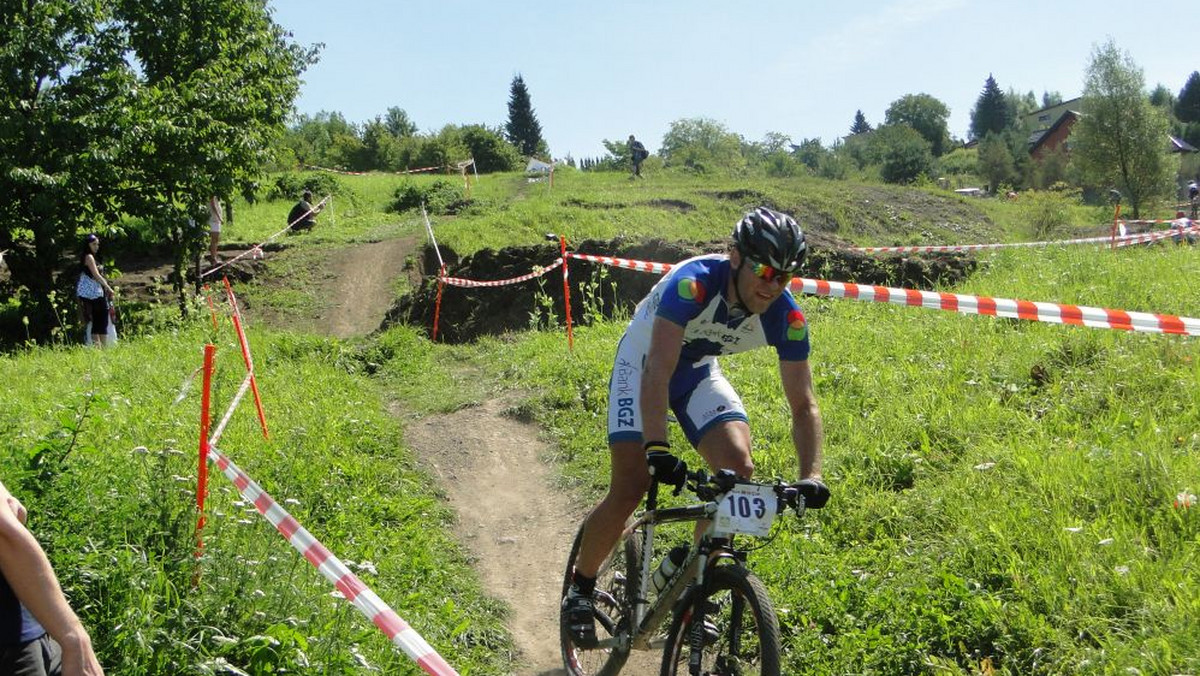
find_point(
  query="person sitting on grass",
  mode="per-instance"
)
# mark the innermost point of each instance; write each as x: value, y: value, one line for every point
x: 303, y: 216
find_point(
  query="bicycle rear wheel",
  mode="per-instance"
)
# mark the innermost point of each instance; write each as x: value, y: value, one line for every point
x: 740, y: 633
x: 616, y: 589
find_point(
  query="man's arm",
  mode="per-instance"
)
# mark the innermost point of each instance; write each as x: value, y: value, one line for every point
x: 807, y: 431
x: 28, y: 572
x: 666, y: 341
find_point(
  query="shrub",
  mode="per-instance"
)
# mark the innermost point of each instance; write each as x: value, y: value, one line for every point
x: 290, y: 185
x: 440, y: 197
x: 1046, y: 212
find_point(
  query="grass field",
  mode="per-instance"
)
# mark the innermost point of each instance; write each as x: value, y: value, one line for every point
x: 1003, y: 490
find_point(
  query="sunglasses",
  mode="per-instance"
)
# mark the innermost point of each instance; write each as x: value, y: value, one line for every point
x: 770, y: 274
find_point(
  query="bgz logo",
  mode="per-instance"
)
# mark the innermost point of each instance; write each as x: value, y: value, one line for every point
x: 625, y: 412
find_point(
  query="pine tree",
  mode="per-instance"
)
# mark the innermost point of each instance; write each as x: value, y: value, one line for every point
x: 523, y: 129
x: 991, y: 111
x: 860, y: 125
x: 1187, y: 107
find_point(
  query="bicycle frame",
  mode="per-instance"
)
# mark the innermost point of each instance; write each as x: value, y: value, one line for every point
x: 648, y: 617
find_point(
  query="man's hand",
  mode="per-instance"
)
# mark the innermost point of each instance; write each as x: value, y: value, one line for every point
x: 664, y: 467
x: 814, y: 492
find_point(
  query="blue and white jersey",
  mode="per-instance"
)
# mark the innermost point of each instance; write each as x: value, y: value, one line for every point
x: 692, y: 296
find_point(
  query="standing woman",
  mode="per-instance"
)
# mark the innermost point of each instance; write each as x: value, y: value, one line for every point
x: 93, y: 290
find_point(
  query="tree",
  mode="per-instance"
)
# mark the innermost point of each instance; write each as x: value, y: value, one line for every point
x: 490, y: 149
x: 860, y: 125
x: 216, y: 82
x: 1163, y: 98
x: 1120, y: 142
x: 926, y: 115
x: 1187, y: 107
x: 65, y: 98
x: 996, y: 162
x: 523, y: 129
x: 1051, y: 99
x: 398, y: 123
x: 991, y: 111
x: 903, y: 153
x: 702, y: 145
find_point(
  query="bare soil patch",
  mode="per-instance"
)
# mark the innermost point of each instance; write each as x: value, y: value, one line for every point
x: 515, y: 523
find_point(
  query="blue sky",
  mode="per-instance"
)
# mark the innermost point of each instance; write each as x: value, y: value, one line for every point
x: 603, y: 69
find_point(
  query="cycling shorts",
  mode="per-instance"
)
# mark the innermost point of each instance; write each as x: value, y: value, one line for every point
x: 700, y: 396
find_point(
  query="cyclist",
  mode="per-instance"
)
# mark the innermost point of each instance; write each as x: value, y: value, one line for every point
x: 706, y: 306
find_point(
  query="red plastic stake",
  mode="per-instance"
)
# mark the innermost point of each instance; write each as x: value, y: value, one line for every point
x: 210, y: 351
x: 241, y: 334
x: 562, y: 242
x: 1116, y: 222
x: 437, y: 306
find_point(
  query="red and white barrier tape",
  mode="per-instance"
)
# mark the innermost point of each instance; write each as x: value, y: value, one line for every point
x: 366, y: 601
x: 460, y: 166
x: 964, y: 304
x: 255, y: 252
x: 471, y: 283
x: 1003, y: 307
x: 1103, y: 239
x: 1159, y: 235
x: 640, y: 266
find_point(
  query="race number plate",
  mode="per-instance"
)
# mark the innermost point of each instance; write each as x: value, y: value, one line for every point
x: 747, y: 509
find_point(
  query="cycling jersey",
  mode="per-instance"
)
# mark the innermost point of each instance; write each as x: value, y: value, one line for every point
x: 692, y: 295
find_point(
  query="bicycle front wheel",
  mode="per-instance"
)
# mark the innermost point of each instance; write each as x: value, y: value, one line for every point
x: 740, y: 633
x: 616, y: 590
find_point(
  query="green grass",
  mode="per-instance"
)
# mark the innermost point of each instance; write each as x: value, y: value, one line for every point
x: 117, y: 512
x: 1003, y: 489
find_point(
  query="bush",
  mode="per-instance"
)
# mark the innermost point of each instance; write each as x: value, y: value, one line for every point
x: 1046, y: 211
x: 440, y: 197
x: 290, y: 185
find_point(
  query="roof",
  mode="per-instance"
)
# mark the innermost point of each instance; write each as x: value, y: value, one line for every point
x: 1037, y: 138
x: 1178, y: 145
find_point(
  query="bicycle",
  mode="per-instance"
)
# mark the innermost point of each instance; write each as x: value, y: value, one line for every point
x: 723, y: 621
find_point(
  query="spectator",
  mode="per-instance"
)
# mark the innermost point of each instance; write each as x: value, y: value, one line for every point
x: 215, y: 219
x: 303, y: 216
x: 637, y: 155
x: 39, y: 633
x: 1180, y: 226
x: 93, y: 291
x: 1193, y: 196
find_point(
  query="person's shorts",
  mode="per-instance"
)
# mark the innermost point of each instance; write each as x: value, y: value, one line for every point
x: 700, y: 397
x: 39, y: 657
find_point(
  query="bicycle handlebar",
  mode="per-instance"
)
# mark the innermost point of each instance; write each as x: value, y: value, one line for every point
x: 798, y: 496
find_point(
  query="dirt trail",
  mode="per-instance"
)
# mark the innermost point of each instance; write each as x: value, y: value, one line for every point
x: 513, y: 521
x: 495, y: 470
x: 360, y: 285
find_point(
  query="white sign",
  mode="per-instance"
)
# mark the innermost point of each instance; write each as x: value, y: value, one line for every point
x: 747, y: 509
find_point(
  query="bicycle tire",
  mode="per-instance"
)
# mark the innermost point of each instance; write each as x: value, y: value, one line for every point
x: 616, y: 588
x: 747, y: 638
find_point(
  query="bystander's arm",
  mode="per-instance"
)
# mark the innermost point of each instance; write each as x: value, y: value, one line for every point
x: 27, y: 570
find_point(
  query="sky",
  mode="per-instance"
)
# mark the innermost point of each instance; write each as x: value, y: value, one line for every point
x: 606, y: 69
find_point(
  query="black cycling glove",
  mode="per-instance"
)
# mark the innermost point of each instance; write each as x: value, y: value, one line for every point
x: 663, y: 466
x: 814, y: 491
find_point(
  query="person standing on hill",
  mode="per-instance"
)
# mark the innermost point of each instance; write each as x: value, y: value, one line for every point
x: 637, y: 155
x: 93, y: 291
x: 667, y: 363
x: 303, y: 216
x: 39, y: 633
x: 215, y: 220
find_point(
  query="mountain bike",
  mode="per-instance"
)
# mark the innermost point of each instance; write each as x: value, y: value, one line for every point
x: 722, y: 621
